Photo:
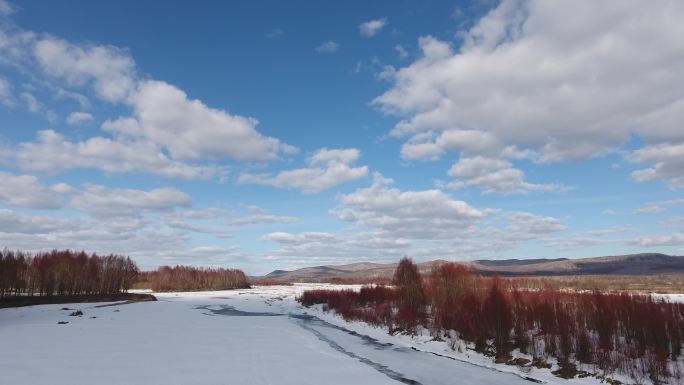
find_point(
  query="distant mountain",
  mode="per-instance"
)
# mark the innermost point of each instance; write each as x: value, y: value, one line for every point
x: 633, y: 264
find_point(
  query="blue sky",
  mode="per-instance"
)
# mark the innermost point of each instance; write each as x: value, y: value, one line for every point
x: 268, y: 135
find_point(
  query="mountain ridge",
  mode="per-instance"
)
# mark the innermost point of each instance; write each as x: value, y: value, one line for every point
x: 630, y: 264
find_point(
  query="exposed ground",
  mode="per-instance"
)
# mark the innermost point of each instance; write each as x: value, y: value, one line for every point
x: 29, y: 300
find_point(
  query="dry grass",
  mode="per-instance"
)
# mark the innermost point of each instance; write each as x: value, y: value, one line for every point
x: 661, y: 284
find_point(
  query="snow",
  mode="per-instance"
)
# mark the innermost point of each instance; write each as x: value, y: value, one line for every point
x: 669, y: 297
x: 252, y: 336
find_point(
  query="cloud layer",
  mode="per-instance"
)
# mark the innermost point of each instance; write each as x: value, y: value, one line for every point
x: 550, y: 86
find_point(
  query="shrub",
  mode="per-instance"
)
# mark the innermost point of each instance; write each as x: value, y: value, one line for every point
x: 632, y: 334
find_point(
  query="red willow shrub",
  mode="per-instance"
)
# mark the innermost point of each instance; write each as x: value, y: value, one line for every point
x: 411, y: 297
x: 633, y: 334
x: 371, y: 304
x: 187, y: 278
x: 498, y: 317
x: 64, y: 272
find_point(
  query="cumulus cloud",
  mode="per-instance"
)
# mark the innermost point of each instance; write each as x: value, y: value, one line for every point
x: 328, y: 47
x: 102, y: 201
x: 413, y: 214
x: 372, y: 27
x: 425, y: 224
x: 32, y: 104
x: 434, y: 215
x: 668, y: 164
x: 327, y: 168
x: 28, y: 191
x: 493, y: 176
x: 78, y: 118
x: 401, y: 51
x: 12, y: 222
x: 168, y: 133
x: 190, y: 130
x: 52, y: 152
x: 146, y: 240
x: 526, y: 72
x: 307, y: 248
x: 659, y: 240
x: 110, y: 70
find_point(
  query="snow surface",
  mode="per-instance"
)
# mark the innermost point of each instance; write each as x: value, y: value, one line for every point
x: 253, y: 336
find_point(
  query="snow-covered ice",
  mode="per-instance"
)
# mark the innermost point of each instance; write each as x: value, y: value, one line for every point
x: 254, y: 336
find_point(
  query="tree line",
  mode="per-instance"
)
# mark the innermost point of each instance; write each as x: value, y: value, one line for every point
x: 635, y: 335
x: 67, y: 272
x: 187, y: 278
x: 64, y: 272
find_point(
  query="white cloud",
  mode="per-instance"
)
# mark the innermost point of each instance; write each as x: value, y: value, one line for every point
x: 327, y: 168
x: 668, y: 164
x: 81, y: 99
x: 305, y: 237
x: 262, y: 218
x: 145, y: 240
x: 412, y: 214
x: 426, y: 224
x: 168, y: 133
x: 6, y: 92
x: 79, y: 117
x: 12, y: 222
x: 493, y: 176
x: 609, y: 212
x: 527, y: 71
x: 52, y: 152
x: 28, y: 191
x: 102, y: 201
x: 651, y: 209
x: 110, y: 70
x: 426, y: 146
x: 32, y: 104
x: 372, y: 27
x: 275, y: 33
x: 6, y: 8
x: 524, y: 225
x: 386, y: 73
x: 660, y: 206
x: 659, y: 240
x: 307, y: 248
x: 328, y: 47
x: 401, y: 51
x: 190, y: 130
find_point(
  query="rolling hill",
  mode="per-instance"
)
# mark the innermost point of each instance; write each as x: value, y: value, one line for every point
x: 633, y: 264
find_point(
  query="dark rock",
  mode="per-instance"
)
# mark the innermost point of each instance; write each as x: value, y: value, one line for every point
x: 541, y: 364
x: 76, y: 313
x: 62, y: 322
x: 519, y: 362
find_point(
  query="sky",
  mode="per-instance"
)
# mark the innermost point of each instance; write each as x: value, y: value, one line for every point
x: 271, y: 135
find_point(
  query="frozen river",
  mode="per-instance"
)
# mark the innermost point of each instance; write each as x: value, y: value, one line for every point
x: 257, y: 336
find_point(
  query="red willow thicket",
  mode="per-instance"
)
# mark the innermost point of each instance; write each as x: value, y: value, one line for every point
x: 635, y: 335
x: 186, y: 278
x: 64, y: 272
